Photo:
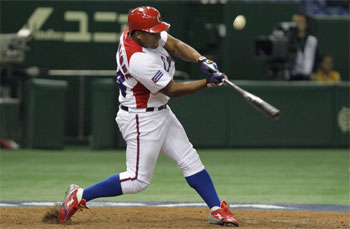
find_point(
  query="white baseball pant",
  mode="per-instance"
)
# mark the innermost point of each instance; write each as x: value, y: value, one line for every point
x: 146, y: 134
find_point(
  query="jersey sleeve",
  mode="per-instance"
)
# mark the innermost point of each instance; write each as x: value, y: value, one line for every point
x: 149, y: 72
x: 163, y: 38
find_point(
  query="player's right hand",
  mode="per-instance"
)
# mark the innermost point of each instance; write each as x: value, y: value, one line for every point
x: 210, y: 68
x: 216, y: 79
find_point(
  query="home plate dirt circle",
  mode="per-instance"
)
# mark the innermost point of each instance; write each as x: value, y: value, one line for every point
x: 172, y: 215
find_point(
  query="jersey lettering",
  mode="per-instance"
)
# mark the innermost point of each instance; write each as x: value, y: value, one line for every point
x: 120, y: 81
x: 167, y: 62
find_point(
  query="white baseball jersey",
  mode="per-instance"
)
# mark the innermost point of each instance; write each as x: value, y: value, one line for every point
x: 143, y: 72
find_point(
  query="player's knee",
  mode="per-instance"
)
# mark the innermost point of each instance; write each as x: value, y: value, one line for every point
x: 134, y: 186
x: 192, y: 167
x: 140, y: 186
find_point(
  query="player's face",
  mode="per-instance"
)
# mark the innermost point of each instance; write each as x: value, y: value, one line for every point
x: 149, y: 40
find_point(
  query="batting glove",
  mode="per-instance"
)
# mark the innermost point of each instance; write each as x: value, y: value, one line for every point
x: 207, y: 66
x: 216, y: 79
x: 210, y: 68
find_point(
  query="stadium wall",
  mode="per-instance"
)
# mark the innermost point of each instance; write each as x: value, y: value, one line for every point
x: 72, y: 35
x: 312, y: 115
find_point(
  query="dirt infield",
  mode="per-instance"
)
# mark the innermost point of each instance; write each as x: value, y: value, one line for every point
x: 155, y: 217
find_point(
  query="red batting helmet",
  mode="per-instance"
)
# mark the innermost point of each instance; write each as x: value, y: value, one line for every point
x: 147, y: 19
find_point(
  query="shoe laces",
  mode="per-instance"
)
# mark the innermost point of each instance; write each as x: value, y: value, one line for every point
x: 226, y: 210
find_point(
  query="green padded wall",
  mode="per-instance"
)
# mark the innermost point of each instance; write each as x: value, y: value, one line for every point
x: 219, y: 117
x: 45, y: 113
x: 306, y: 116
x: 222, y: 118
x: 205, y: 116
x: 104, y: 129
x: 10, y: 119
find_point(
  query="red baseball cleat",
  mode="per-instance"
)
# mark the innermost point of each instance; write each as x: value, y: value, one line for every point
x: 223, y: 216
x: 72, y: 203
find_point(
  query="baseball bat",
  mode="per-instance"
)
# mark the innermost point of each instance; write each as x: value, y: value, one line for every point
x: 255, y: 101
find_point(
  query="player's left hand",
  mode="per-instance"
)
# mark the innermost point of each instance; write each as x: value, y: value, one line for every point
x: 216, y: 79
x: 207, y: 66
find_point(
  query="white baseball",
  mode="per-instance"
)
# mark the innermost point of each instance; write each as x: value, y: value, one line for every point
x: 239, y: 22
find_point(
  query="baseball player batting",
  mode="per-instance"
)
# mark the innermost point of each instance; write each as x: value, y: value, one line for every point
x: 145, y: 73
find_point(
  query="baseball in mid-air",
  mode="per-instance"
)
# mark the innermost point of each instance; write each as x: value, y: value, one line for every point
x: 239, y: 22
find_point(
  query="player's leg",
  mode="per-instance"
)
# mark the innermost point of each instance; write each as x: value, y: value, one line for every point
x: 182, y: 152
x: 105, y: 188
x: 111, y: 186
x: 144, y: 138
x: 142, y: 151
